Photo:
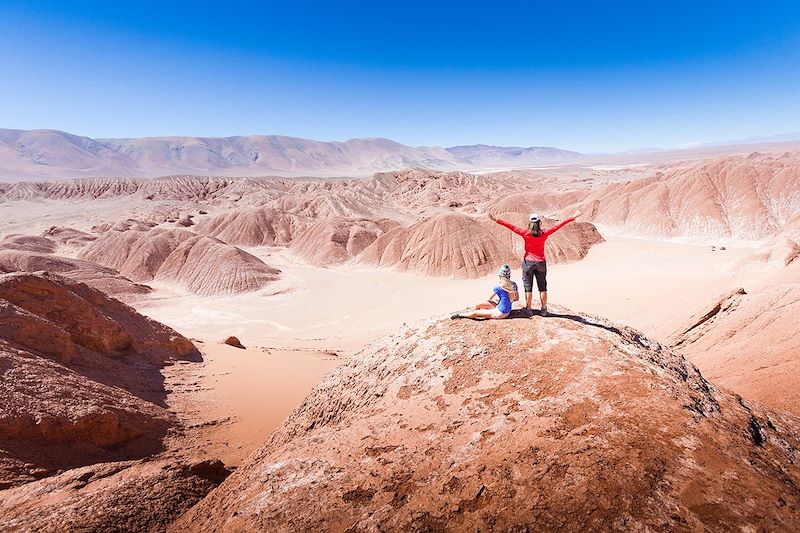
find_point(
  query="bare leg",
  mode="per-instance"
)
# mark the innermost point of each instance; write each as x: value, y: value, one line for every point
x: 484, y: 305
x: 543, y: 298
x: 479, y: 313
x: 528, y: 300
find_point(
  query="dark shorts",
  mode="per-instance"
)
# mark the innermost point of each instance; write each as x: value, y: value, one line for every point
x: 531, y: 269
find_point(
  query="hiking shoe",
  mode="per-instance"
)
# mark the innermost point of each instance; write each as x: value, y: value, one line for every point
x: 455, y: 316
x: 543, y: 312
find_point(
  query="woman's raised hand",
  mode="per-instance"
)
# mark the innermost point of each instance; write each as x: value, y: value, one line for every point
x: 578, y: 213
x: 492, y: 217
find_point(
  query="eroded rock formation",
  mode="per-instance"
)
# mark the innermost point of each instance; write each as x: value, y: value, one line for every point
x: 80, y: 374
x: 562, y: 423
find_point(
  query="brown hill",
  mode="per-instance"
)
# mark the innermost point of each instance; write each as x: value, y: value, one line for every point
x: 746, y: 197
x: 527, y: 202
x: 29, y: 243
x: 747, y: 340
x: 419, y: 188
x: 98, y: 277
x: 185, y: 188
x: 457, y: 245
x: 565, y: 423
x: 448, y: 244
x: 264, y: 226
x: 69, y: 236
x: 331, y: 198
x: 197, y: 263
x: 121, y: 496
x: 335, y: 240
x: 81, y: 377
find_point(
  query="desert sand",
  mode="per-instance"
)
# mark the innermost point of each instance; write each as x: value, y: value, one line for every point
x: 233, y: 400
x: 340, y: 289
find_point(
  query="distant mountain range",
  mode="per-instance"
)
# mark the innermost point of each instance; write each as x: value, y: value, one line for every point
x: 781, y: 137
x: 51, y: 154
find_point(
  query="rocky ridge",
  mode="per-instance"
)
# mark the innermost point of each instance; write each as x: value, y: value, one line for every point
x: 566, y: 422
x: 81, y: 377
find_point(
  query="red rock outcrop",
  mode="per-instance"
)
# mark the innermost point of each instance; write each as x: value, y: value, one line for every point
x: 81, y: 377
x: 234, y: 341
x: 565, y: 423
x: 196, y: 263
x: 121, y: 496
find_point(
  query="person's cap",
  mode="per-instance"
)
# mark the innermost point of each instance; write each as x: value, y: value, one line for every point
x: 534, y: 217
x: 505, y: 271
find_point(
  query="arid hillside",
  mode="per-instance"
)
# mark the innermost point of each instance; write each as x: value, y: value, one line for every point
x: 739, y: 197
x: 567, y: 422
x: 81, y: 377
x: 748, y: 339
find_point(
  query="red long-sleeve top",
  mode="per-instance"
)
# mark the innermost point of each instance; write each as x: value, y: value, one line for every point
x: 534, y: 246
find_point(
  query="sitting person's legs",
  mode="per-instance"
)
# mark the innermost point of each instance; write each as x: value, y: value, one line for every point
x: 482, y: 310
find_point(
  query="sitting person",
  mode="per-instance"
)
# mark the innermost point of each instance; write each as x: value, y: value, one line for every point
x: 498, y: 305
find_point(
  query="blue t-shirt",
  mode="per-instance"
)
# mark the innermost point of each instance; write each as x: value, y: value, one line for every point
x: 504, y: 304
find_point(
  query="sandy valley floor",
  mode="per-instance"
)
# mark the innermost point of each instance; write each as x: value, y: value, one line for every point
x: 314, y: 318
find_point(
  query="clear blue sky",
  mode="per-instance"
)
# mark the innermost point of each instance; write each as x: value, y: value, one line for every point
x: 590, y: 76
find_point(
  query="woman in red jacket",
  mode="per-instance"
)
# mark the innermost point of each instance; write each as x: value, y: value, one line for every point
x: 534, y: 264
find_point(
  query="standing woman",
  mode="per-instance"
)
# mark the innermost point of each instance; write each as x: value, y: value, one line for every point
x: 534, y: 262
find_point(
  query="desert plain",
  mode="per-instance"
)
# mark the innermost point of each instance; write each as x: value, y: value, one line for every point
x: 663, y: 384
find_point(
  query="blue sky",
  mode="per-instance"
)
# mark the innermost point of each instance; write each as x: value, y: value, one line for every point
x: 590, y: 76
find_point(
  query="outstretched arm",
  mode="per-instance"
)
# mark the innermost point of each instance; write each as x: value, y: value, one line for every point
x: 550, y: 231
x: 512, y: 227
x: 557, y: 227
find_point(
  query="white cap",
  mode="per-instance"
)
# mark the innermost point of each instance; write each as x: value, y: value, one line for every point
x: 534, y: 217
